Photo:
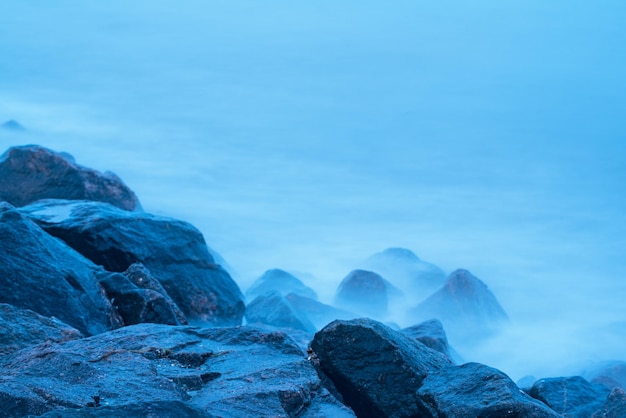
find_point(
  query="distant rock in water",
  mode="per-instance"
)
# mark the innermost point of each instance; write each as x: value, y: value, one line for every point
x: 464, y: 305
x: 280, y: 281
x: 274, y: 309
x: 415, y: 277
x: 12, y: 125
x: 319, y: 313
x: 32, y: 172
x: 432, y: 335
x: 365, y: 293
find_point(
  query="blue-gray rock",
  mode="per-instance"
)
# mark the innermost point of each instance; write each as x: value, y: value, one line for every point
x: 13, y: 126
x: 32, y: 172
x: 20, y: 328
x: 608, y: 373
x: 273, y: 309
x: 320, y: 314
x: 365, y: 293
x: 476, y: 390
x: 202, y: 372
x: 432, y: 335
x: 43, y: 274
x: 279, y: 281
x: 376, y: 370
x: 174, y: 251
x: 570, y: 396
x: 615, y: 406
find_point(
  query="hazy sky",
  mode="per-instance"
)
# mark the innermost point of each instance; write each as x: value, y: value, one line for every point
x: 308, y: 135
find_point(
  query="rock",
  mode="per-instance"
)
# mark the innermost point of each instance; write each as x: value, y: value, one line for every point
x: 20, y: 328
x: 570, y: 396
x: 317, y: 312
x: 41, y: 273
x: 465, y: 306
x: 174, y: 251
x: 375, y: 369
x: 432, y: 335
x: 32, y: 172
x: 365, y: 293
x: 615, y: 406
x: 136, y: 305
x: 416, y: 278
x: 608, y: 373
x: 13, y: 126
x: 135, y: 370
x: 476, y: 390
x: 273, y: 309
x: 279, y: 281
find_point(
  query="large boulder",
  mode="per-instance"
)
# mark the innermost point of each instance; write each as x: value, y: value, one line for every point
x: 20, y: 328
x: 174, y: 251
x: 273, y: 309
x: 320, y: 314
x: 279, y: 281
x: 415, y: 277
x: 570, y: 396
x: 32, y: 172
x: 465, y: 306
x: 41, y: 273
x: 476, y: 390
x: 376, y: 370
x: 365, y: 293
x: 151, y: 370
x: 615, y: 406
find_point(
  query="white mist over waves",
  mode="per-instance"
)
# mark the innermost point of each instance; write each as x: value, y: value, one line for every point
x: 307, y: 137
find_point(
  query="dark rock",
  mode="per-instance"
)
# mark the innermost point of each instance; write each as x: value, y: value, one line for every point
x: 21, y: 328
x: 273, y: 309
x: 41, y: 273
x: 365, y: 293
x: 465, y: 306
x: 476, y: 390
x: 317, y: 312
x: 608, y: 373
x: 202, y: 372
x: 432, y: 335
x: 376, y: 370
x: 279, y: 281
x: 151, y: 409
x: 415, y: 277
x: 136, y: 305
x: 32, y: 172
x: 12, y: 125
x: 615, y: 406
x: 174, y: 251
x: 570, y: 396
x: 141, y: 277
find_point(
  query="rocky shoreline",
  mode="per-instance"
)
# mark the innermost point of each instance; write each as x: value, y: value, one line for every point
x: 108, y: 311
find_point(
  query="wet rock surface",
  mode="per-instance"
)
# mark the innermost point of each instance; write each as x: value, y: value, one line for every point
x: 432, y: 335
x: 570, y: 396
x: 226, y: 372
x: 32, y: 172
x: 174, y: 252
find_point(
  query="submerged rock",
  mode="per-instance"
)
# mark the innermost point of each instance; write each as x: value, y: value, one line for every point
x: 320, y: 314
x: 199, y: 372
x: 365, y: 293
x: 273, y: 309
x: 174, y: 251
x: 41, y: 273
x: 32, y: 172
x: 464, y: 305
x: 12, y: 125
x: 279, y: 281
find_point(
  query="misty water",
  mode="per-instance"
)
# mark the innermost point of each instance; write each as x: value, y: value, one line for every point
x: 308, y: 136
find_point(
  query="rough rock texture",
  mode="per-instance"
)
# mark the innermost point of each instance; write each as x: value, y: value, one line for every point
x: 41, y: 273
x: 32, y: 172
x: 432, y: 335
x: 174, y: 251
x: 415, y: 277
x: 20, y: 328
x: 273, y: 309
x: 279, y: 281
x: 318, y: 313
x: 364, y: 292
x: 464, y: 305
x: 476, y: 390
x: 201, y: 372
x: 615, y: 406
x: 376, y: 370
x: 136, y: 305
x: 570, y: 396
x: 150, y: 409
